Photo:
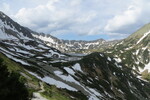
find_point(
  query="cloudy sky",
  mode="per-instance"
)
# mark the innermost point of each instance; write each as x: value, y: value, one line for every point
x: 80, y: 19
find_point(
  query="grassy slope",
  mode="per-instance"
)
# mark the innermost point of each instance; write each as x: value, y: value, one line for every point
x: 51, y: 92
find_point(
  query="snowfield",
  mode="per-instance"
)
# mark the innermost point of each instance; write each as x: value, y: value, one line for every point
x: 52, y: 81
x: 37, y: 96
x: 147, y: 67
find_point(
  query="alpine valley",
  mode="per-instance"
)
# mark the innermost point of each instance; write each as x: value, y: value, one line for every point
x: 36, y: 66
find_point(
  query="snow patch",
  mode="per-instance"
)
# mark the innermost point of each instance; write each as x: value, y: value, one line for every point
x: 37, y: 96
x: 101, y: 55
x: 94, y: 94
x: 118, y: 60
x: 52, y: 81
x: 146, y: 34
x: 147, y: 67
x: 109, y: 58
x: 44, y: 38
x: 68, y: 78
x: 77, y: 67
x: 69, y: 70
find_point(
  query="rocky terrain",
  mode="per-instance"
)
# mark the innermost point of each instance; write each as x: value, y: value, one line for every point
x: 75, y: 46
x: 49, y: 73
x: 134, y: 51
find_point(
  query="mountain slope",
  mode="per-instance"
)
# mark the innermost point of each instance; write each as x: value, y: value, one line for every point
x: 112, y: 77
x: 12, y: 29
x: 134, y: 51
x: 11, y: 82
x: 32, y: 87
x: 79, y: 77
x: 98, y: 77
x: 17, y: 41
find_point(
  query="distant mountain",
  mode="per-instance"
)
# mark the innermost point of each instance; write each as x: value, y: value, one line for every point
x: 50, y: 74
x: 76, y: 46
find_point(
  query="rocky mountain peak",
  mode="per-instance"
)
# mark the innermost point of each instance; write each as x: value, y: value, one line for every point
x: 11, y: 29
x: 2, y: 14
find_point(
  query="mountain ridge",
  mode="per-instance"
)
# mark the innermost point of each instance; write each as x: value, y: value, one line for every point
x: 134, y: 51
x: 95, y: 76
x: 8, y: 21
x: 80, y: 46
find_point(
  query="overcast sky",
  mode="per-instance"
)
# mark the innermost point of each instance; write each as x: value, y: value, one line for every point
x: 80, y: 19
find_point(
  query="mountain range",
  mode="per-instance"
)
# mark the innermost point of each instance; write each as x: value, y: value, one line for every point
x: 55, y: 69
x: 75, y: 46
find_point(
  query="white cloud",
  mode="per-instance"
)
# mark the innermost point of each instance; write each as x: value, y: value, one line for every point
x: 91, y: 17
x: 114, y: 36
x: 84, y: 18
x: 5, y: 8
x: 75, y: 2
x: 128, y: 17
x: 55, y: 15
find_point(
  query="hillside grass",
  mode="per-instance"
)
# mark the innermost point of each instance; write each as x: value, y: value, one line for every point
x: 50, y: 92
